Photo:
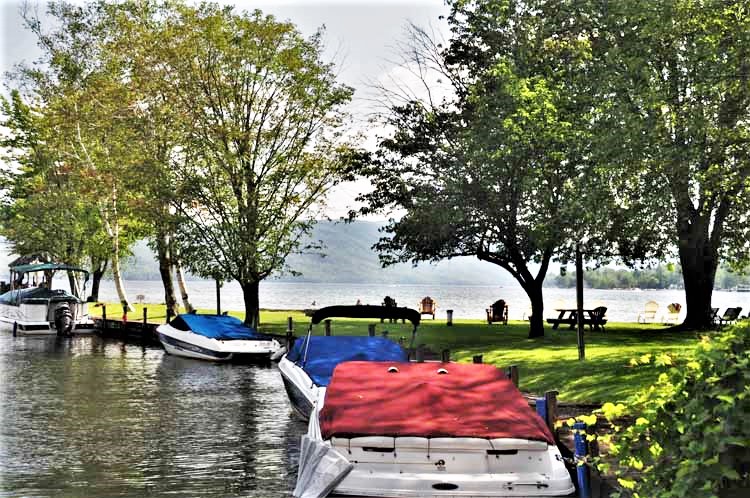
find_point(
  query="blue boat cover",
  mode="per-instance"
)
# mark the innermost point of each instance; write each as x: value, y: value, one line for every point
x: 325, y: 352
x: 221, y: 327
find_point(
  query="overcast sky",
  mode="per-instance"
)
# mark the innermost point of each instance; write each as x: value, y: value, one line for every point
x: 360, y: 35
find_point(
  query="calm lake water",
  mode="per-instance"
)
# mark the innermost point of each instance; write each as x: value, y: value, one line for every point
x: 465, y: 301
x: 88, y: 417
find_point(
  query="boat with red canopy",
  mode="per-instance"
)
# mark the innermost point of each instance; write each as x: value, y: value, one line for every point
x: 429, y: 430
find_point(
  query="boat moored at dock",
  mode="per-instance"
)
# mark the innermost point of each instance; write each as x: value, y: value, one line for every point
x: 307, y: 368
x: 32, y: 307
x: 215, y: 338
x: 428, y: 430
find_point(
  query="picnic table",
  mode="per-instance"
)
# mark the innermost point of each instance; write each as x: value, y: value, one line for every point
x: 569, y: 316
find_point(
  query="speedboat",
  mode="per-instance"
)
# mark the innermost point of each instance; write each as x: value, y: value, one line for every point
x: 307, y: 367
x: 32, y: 307
x: 431, y: 429
x: 215, y: 338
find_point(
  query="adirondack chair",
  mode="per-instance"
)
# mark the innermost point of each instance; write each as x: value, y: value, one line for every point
x: 427, y: 306
x: 497, y: 312
x: 673, y: 313
x: 730, y: 315
x: 649, y: 312
x: 598, y: 320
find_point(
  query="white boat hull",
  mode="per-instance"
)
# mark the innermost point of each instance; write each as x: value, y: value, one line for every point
x: 38, y: 319
x: 302, y: 392
x: 190, y: 345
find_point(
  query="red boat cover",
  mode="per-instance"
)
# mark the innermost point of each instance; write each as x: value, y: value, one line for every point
x: 365, y: 399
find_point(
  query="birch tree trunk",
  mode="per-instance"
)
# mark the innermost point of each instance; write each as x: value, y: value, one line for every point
x: 112, y: 228
x: 183, y: 287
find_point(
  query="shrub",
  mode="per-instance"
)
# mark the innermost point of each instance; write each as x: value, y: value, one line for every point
x: 690, y: 431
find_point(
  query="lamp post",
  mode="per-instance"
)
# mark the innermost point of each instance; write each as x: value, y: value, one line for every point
x: 579, y: 302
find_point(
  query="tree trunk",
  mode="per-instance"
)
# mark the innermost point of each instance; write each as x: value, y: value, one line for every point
x: 119, y: 287
x: 100, y: 267
x: 252, y: 303
x: 699, y: 261
x: 183, y: 287
x: 165, y: 271
x: 536, y: 321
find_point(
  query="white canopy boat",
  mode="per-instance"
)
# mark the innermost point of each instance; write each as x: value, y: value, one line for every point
x: 33, y: 307
x: 428, y: 430
x: 307, y: 368
x: 215, y: 338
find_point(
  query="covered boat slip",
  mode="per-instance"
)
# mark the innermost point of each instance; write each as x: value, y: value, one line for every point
x: 436, y: 430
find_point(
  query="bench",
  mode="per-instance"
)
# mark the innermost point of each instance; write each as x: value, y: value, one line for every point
x: 566, y: 321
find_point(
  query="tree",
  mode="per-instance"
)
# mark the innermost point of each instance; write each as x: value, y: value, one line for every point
x: 88, y: 118
x: 674, y: 84
x: 260, y: 125
x: 499, y: 170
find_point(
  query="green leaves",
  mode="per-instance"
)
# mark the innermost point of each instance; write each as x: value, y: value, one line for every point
x: 688, y: 427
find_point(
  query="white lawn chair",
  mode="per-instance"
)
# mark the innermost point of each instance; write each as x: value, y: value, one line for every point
x: 648, y: 315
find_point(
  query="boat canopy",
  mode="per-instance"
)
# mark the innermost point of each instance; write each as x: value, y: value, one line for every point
x: 46, y: 267
x: 427, y: 400
x: 367, y: 311
x: 222, y: 327
x: 36, y: 295
x: 319, y: 355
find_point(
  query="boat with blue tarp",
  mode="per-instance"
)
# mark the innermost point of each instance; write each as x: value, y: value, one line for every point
x: 307, y: 367
x: 215, y: 338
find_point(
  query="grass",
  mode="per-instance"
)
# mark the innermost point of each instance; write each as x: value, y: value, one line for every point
x: 547, y: 363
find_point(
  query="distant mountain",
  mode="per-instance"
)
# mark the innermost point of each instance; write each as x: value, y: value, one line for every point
x: 348, y: 257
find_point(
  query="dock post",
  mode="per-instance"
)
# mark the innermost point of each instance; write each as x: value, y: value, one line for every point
x: 169, y: 314
x: 550, y: 398
x: 145, y: 316
x: 15, y: 329
x: 584, y: 477
x: 104, y: 316
x: 420, y: 354
x: 477, y: 359
x: 371, y: 330
x: 384, y: 333
x: 445, y: 356
x: 124, y: 312
x: 541, y: 408
x: 328, y: 327
x: 513, y: 374
x: 218, y: 296
x: 449, y: 322
x: 289, y: 340
x: 289, y: 325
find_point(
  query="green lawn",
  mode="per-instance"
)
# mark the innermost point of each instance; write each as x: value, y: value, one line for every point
x: 544, y: 364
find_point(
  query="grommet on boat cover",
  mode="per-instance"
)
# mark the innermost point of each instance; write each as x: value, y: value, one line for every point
x: 392, y: 369
x: 442, y: 371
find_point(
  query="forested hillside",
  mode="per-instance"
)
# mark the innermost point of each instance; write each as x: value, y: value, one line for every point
x: 347, y: 257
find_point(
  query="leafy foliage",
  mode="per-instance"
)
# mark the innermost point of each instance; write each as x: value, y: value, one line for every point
x: 498, y: 169
x: 690, y: 436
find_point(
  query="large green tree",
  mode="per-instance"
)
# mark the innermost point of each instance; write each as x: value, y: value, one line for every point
x: 674, y: 108
x: 260, y: 121
x: 499, y: 168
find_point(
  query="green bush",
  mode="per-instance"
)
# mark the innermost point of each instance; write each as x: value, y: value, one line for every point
x: 688, y: 435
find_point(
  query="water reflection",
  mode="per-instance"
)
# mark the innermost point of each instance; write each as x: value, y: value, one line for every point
x: 89, y: 417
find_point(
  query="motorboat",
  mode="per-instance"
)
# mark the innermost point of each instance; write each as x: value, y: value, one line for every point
x: 428, y: 429
x: 307, y: 367
x: 215, y: 338
x: 32, y: 307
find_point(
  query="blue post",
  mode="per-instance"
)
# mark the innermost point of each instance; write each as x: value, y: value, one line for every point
x: 581, y: 450
x: 541, y: 408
